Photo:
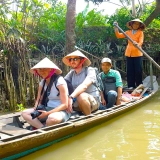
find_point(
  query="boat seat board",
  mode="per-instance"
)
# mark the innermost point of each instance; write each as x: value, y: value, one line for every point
x: 16, y: 117
x: 145, y: 89
x: 12, y: 130
x: 17, y: 114
x: 3, y: 136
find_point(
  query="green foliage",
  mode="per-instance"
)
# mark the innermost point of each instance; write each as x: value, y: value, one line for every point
x: 92, y: 18
x: 20, y: 107
x: 54, y: 18
x: 121, y: 16
x: 147, y: 11
x: 93, y: 33
x: 151, y: 43
x: 95, y: 18
x: 100, y: 48
x: 120, y: 49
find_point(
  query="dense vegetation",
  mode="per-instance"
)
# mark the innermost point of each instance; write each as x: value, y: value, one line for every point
x: 35, y: 29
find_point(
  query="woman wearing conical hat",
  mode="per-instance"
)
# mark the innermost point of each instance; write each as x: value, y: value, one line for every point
x: 54, y: 106
x: 85, y: 97
x: 133, y: 54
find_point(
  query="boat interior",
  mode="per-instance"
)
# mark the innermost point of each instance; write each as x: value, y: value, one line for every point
x: 14, y: 126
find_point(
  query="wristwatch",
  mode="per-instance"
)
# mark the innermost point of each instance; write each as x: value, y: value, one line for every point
x: 70, y: 97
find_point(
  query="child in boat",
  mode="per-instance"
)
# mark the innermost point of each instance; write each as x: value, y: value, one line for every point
x: 85, y: 97
x: 111, y: 91
x: 54, y: 106
x: 133, y: 54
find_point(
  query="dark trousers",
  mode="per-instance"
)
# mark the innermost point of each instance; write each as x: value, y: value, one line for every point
x: 110, y: 99
x: 134, y: 71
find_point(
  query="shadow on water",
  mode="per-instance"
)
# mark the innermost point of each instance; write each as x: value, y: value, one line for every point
x: 133, y: 135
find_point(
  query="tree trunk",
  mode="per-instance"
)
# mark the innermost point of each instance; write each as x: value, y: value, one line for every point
x: 154, y: 14
x: 70, y: 26
x: 133, y: 9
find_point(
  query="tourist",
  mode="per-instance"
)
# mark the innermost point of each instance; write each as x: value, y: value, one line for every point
x: 54, y: 106
x: 85, y: 97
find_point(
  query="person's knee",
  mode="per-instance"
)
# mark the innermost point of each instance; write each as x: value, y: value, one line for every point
x: 53, y: 119
x: 85, y: 106
x: 85, y: 103
x: 26, y: 113
x: 82, y: 97
x: 112, y: 95
x: 83, y: 100
x: 23, y: 114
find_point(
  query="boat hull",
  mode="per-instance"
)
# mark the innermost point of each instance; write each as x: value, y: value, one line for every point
x: 21, y: 145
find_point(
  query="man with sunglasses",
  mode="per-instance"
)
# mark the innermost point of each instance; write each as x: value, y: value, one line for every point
x: 85, y: 97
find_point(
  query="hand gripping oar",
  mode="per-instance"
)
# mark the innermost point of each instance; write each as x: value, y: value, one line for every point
x: 116, y: 25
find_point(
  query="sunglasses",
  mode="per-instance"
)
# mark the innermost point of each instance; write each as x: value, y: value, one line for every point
x: 73, y: 59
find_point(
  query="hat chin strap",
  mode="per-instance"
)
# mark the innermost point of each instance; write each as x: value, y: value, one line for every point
x: 51, y: 73
x: 82, y: 61
x: 36, y: 73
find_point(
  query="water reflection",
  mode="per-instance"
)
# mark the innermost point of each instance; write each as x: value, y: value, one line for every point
x: 132, y: 136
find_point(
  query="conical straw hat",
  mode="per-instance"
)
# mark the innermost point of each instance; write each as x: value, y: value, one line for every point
x: 46, y: 63
x: 129, y: 24
x: 65, y: 59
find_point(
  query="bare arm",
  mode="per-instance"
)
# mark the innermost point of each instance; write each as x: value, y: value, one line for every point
x: 81, y: 88
x: 102, y: 98
x: 119, y: 92
x: 89, y: 79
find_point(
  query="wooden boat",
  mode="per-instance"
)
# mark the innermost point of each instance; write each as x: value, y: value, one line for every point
x: 16, y: 141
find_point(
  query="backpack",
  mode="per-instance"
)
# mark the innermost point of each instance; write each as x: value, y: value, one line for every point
x: 69, y: 85
x: 98, y: 83
x: 109, y: 83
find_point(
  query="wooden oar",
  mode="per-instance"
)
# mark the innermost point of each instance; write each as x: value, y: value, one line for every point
x: 116, y: 25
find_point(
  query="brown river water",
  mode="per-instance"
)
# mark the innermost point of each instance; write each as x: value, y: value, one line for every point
x: 134, y: 135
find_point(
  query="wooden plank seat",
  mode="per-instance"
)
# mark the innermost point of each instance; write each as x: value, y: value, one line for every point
x: 12, y: 130
x: 16, y: 119
x: 4, y: 136
x: 16, y: 114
